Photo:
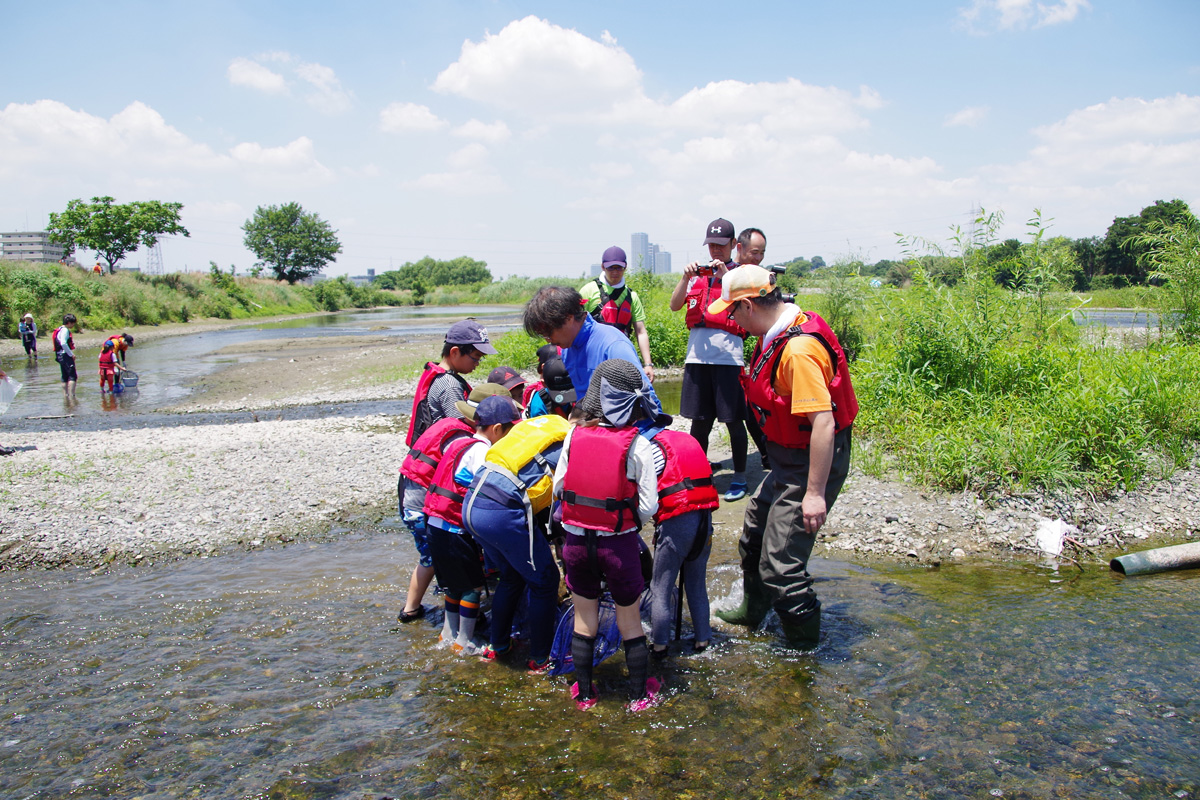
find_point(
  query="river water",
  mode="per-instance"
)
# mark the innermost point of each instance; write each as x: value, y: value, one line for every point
x: 283, y: 674
x: 168, y: 367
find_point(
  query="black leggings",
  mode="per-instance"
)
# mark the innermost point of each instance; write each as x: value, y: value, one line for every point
x: 701, y: 428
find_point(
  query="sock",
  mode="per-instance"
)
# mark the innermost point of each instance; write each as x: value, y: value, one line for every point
x: 738, y: 477
x: 468, y: 612
x: 583, y: 650
x: 450, y: 627
x: 637, y: 659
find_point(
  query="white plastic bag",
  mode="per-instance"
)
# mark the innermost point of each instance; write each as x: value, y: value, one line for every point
x: 8, y: 390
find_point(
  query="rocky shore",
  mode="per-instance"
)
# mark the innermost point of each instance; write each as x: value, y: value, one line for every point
x: 203, y: 483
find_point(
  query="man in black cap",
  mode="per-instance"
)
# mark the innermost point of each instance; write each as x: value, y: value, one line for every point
x: 712, y: 389
x: 610, y: 301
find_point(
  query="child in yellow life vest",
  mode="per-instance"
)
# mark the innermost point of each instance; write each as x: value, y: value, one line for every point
x: 456, y: 560
x: 508, y: 510
x: 607, y: 485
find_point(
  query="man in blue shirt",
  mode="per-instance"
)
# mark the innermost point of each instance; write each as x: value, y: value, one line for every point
x: 556, y: 314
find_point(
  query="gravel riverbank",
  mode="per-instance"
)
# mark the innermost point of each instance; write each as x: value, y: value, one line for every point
x: 137, y: 492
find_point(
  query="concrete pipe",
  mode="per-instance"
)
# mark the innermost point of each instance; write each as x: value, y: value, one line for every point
x: 1162, y: 559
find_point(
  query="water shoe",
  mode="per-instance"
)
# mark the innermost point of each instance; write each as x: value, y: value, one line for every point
x: 586, y: 702
x: 651, y: 698
x: 411, y: 616
x: 736, y: 492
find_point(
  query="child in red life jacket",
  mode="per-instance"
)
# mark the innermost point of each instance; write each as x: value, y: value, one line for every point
x: 456, y: 557
x: 440, y: 386
x: 607, y: 486
x: 108, y: 367
x: 415, y: 475
x: 682, y: 537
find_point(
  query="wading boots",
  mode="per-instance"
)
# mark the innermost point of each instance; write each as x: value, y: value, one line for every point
x: 802, y: 633
x: 756, y: 603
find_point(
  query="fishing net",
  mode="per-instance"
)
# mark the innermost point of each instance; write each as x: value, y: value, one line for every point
x: 608, y: 638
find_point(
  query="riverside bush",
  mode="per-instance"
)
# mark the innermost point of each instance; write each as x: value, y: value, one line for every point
x: 130, y: 298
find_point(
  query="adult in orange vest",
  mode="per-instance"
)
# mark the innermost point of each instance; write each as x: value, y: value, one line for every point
x: 799, y: 390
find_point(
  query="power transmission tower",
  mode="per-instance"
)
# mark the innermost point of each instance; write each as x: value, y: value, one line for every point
x: 154, y: 262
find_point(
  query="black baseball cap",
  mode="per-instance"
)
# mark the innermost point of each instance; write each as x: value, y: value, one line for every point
x: 507, y: 377
x: 558, y: 382
x: 720, y: 231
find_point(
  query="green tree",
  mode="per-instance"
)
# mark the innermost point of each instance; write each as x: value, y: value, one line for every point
x: 429, y: 272
x: 1121, y: 253
x: 293, y: 243
x: 114, y: 231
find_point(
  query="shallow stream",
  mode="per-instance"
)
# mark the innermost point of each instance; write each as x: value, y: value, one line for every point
x: 282, y: 673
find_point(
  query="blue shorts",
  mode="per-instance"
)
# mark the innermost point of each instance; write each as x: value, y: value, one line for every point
x: 415, y: 522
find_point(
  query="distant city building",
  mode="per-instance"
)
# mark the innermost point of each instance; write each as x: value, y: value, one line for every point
x: 30, y: 246
x: 363, y: 280
x: 639, y: 253
x: 597, y: 269
x: 662, y: 263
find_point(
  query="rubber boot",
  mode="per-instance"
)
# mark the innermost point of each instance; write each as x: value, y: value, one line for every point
x: 802, y: 633
x: 756, y: 603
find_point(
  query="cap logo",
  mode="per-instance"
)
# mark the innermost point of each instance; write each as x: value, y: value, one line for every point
x: 715, y: 229
x: 483, y: 335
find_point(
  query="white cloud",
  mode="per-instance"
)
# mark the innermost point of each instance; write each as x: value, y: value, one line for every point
x: 461, y: 183
x: 135, y: 148
x: 984, y: 16
x: 329, y: 97
x: 543, y: 70
x: 788, y: 106
x: 297, y: 159
x: 473, y: 155
x: 244, y: 72
x: 1124, y: 118
x: 493, y: 133
x: 405, y: 117
x: 968, y: 117
x: 1110, y: 156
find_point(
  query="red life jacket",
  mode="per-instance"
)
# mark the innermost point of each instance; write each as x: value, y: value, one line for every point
x: 422, y: 460
x: 702, y: 293
x: 686, y: 482
x: 774, y: 411
x: 615, y: 308
x: 596, y: 494
x: 58, y: 348
x: 530, y: 390
x: 422, y: 417
x: 445, y: 497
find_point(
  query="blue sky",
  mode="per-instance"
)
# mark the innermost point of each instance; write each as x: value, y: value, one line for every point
x: 534, y: 135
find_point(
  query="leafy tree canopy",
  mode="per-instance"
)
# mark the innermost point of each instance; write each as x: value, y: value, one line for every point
x: 293, y: 243
x: 114, y: 231
x: 1122, y: 251
x: 428, y: 272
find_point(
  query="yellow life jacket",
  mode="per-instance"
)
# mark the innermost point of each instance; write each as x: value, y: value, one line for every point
x: 518, y: 455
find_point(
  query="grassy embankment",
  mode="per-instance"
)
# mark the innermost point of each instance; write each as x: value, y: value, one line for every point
x: 984, y: 388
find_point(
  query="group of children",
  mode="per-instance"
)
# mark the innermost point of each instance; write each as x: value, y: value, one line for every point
x: 519, y: 478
